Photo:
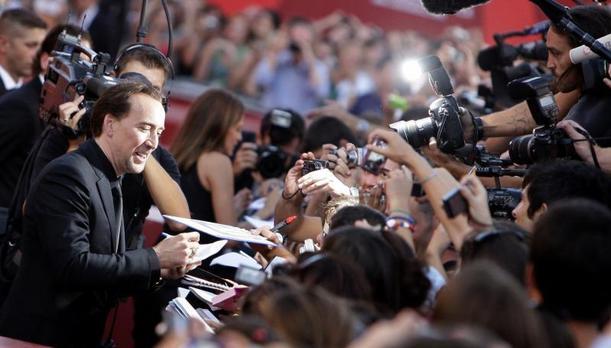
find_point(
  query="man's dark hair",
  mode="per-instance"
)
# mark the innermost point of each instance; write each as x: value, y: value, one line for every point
x: 570, y: 258
x: 146, y: 55
x: 280, y: 135
x: 348, y: 215
x: 505, y: 244
x: 396, y: 277
x: 593, y: 19
x: 327, y: 130
x: 48, y: 44
x: 549, y: 182
x: 10, y: 19
x: 115, y: 101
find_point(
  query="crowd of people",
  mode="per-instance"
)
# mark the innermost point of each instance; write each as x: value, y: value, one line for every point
x: 378, y: 240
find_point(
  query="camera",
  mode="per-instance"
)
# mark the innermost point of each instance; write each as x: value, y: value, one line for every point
x: 444, y: 121
x: 539, y: 97
x: 313, y: 165
x: 75, y: 70
x: 502, y: 202
x: 370, y: 161
x: 271, y: 161
x: 547, y: 141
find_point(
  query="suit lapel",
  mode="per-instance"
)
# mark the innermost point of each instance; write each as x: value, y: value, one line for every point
x: 109, y: 210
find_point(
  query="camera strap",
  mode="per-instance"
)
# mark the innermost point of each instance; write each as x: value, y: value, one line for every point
x: 592, y: 142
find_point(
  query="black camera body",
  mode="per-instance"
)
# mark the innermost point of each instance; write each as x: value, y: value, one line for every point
x: 313, y: 165
x: 502, y: 202
x: 546, y: 142
x: 443, y: 122
x: 70, y: 75
x: 271, y: 161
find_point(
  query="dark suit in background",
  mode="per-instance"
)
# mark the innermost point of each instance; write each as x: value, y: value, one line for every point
x: 69, y: 277
x: 20, y: 127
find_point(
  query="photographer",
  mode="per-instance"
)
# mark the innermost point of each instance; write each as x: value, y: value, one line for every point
x: 280, y: 135
x: 587, y: 107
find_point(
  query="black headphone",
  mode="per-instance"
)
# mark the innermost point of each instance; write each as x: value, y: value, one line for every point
x: 150, y: 48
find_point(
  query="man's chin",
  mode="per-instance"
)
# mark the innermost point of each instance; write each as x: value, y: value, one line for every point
x: 134, y: 168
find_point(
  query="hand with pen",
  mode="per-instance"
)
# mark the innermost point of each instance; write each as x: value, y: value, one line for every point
x: 175, y: 254
x: 273, y: 235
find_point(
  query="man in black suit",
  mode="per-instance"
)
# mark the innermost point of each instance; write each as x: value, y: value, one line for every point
x: 21, y: 33
x: 75, y: 265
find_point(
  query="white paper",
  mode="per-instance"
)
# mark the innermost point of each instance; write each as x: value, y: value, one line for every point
x: 235, y: 260
x: 221, y: 231
x: 257, y: 204
x: 204, y: 251
x: 182, y: 292
x: 256, y: 222
x: 203, y: 295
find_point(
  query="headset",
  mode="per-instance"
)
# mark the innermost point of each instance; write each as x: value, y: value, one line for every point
x: 150, y: 49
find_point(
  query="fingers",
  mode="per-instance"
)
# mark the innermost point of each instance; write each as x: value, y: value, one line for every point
x: 381, y: 134
x: 570, y: 126
x: 191, y: 236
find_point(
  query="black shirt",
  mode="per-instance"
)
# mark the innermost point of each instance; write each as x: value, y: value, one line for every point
x: 593, y: 112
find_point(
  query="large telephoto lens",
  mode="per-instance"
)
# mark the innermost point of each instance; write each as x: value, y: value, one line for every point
x: 521, y: 149
x: 417, y: 133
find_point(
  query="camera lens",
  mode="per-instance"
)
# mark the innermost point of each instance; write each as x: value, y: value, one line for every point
x: 521, y: 149
x: 416, y: 133
x: 271, y: 162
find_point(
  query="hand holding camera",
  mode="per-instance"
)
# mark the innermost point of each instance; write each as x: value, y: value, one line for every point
x: 71, y: 112
x: 322, y: 180
x: 396, y: 148
x: 245, y: 158
x: 291, y: 187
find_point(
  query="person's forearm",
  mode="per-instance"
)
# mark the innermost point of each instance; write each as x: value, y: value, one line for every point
x: 458, y: 227
x: 165, y: 192
x: 305, y: 227
x: 518, y: 120
x: 289, y: 207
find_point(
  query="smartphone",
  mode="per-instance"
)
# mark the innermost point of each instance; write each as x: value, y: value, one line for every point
x: 454, y: 203
x: 417, y: 190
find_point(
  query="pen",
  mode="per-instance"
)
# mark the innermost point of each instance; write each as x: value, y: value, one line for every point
x: 284, y: 223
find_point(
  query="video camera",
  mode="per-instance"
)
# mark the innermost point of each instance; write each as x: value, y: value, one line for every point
x: 547, y: 141
x: 500, y: 59
x: 444, y: 121
x: 75, y: 70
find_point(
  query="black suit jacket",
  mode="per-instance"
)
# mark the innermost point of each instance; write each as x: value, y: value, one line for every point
x: 20, y: 126
x: 69, y: 276
x: 2, y: 88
